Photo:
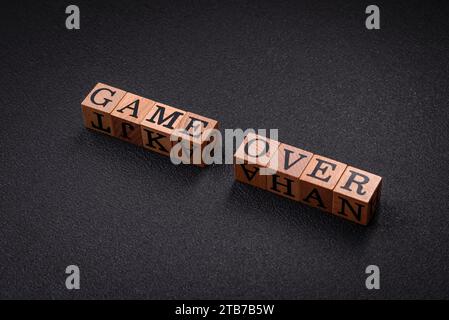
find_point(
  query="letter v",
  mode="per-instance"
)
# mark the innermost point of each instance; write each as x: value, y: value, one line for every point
x: 287, y: 159
x: 248, y: 172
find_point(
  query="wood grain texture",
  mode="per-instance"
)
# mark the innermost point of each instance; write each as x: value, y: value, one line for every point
x: 98, y: 106
x: 288, y: 163
x: 195, y: 136
x: 318, y: 181
x: 356, y: 195
x: 253, y: 155
x: 127, y: 116
x: 158, y: 125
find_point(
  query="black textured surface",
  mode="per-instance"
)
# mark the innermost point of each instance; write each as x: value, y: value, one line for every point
x: 140, y: 227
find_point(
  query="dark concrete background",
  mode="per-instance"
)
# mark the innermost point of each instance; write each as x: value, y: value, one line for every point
x: 140, y: 227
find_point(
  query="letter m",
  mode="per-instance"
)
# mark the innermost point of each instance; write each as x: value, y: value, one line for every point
x: 167, y: 121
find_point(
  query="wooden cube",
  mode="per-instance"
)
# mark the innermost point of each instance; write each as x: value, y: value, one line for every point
x: 288, y: 163
x: 158, y: 125
x: 318, y: 181
x: 98, y: 106
x: 128, y: 115
x: 356, y: 195
x: 195, y: 136
x: 252, y: 156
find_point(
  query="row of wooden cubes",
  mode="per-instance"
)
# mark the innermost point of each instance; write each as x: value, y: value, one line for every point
x: 309, y: 178
x: 288, y: 171
x: 139, y: 120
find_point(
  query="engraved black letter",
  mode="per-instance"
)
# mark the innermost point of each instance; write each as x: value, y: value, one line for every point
x: 171, y: 118
x: 155, y: 139
x: 197, y: 123
x: 287, y: 159
x: 100, y: 124
x: 125, y: 126
x: 248, y: 172
x: 135, y: 108
x: 360, y: 184
x: 288, y: 185
x: 314, y: 194
x: 323, y: 170
x: 106, y: 101
x: 344, y: 203
x: 247, y: 145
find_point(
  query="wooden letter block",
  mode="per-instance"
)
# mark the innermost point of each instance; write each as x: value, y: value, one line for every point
x: 195, y: 135
x: 253, y: 155
x: 288, y: 163
x: 318, y: 181
x: 356, y: 195
x: 128, y: 115
x: 98, y: 105
x: 158, y: 125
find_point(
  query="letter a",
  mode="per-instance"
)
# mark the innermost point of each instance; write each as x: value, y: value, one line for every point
x: 373, y: 20
x: 73, y: 280
x: 73, y: 20
x: 373, y: 280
